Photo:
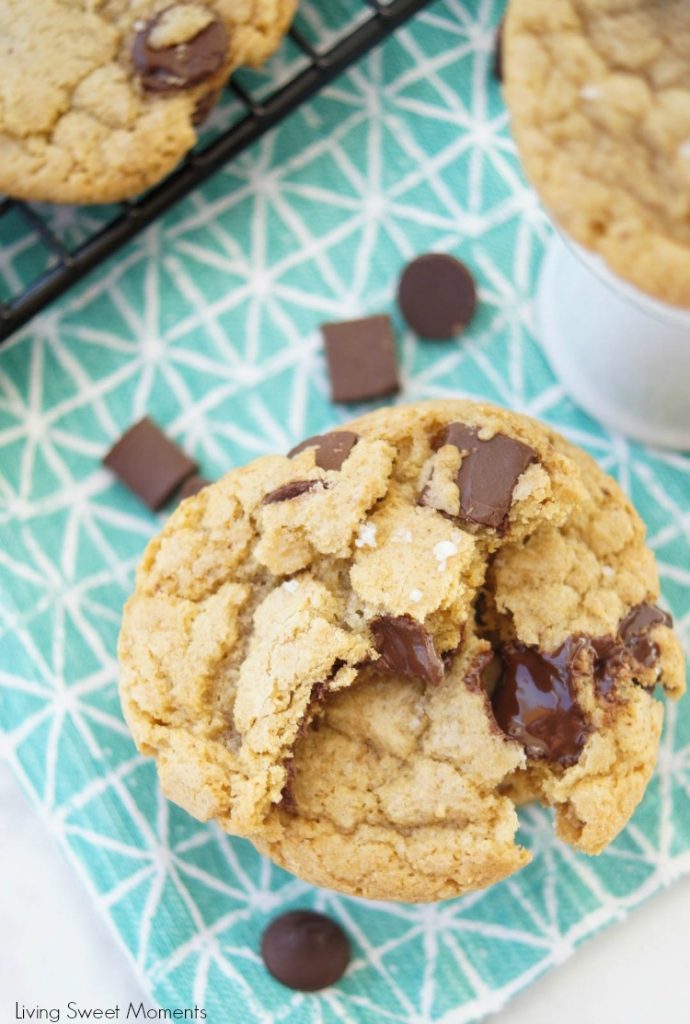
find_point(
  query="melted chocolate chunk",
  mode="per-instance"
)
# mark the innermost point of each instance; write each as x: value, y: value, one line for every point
x: 287, y: 796
x: 635, y: 628
x: 609, y: 663
x: 291, y: 490
x: 316, y: 700
x: 184, y: 65
x: 305, y: 950
x: 310, y: 720
x: 535, y: 701
x: 448, y: 657
x: 488, y: 473
x: 406, y: 649
x: 484, y: 673
x: 330, y: 450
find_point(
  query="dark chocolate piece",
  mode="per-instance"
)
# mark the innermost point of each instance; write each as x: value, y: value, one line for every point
x: 149, y: 464
x: 305, y: 950
x: 192, y: 485
x: 635, y: 628
x: 310, y: 719
x: 497, y: 66
x: 204, y: 105
x: 330, y: 450
x: 488, y: 473
x: 535, y: 701
x: 608, y: 664
x: 362, y: 363
x: 406, y: 649
x: 317, y: 699
x: 613, y: 655
x: 291, y: 490
x: 437, y: 296
x: 448, y: 657
x: 287, y: 795
x: 183, y: 65
x: 484, y: 673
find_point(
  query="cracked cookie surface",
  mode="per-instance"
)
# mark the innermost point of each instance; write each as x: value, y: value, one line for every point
x: 362, y: 655
x: 99, y: 99
x: 599, y: 98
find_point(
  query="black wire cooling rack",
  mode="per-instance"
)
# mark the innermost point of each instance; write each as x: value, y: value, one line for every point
x: 45, y: 249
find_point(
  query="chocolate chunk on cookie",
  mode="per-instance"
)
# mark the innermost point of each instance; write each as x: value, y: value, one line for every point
x: 291, y: 490
x: 608, y: 664
x: 488, y: 474
x: 167, y: 60
x: 406, y: 649
x: 330, y: 450
x: 535, y: 701
x: 631, y: 650
x: 635, y: 629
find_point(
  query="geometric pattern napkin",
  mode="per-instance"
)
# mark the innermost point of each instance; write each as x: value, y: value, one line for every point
x: 209, y: 323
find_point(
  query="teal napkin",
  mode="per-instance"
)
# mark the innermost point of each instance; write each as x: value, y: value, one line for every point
x: 209, y: 322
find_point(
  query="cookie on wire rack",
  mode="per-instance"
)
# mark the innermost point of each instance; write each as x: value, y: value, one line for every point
x: 99, y: 101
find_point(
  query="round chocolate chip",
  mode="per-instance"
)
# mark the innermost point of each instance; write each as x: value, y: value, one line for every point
x: 305, y: 950
x: 437, y: 296
x: 184, y: 65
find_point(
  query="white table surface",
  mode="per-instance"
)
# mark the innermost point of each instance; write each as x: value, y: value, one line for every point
x: 55, y: 948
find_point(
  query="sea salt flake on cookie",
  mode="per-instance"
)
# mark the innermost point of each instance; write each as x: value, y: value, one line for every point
x: 387, y: 577
x: 366, y: 538
x: 444, y: 550
x: 326, y: 519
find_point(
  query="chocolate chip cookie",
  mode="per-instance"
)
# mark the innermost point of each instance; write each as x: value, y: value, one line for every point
x: 99, y: 99
x: 599, y: 97
x: 363, y: 654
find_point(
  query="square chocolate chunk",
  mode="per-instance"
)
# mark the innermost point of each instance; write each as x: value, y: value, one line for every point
x: 488, y: 473
x: 191, y: 486
x: 149, y: 464
x: 362, y: 363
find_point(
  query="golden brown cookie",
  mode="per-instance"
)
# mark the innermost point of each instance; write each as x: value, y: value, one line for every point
x: 99, y: 99
x: 599, y: 98
x: 363, y: 654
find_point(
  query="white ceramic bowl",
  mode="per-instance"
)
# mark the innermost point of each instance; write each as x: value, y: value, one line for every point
x: 621, y: 355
